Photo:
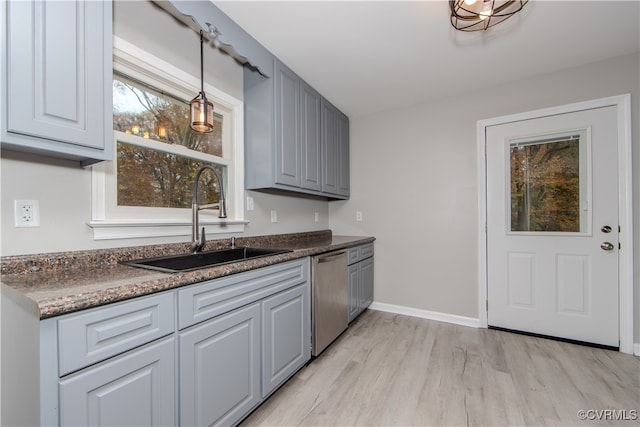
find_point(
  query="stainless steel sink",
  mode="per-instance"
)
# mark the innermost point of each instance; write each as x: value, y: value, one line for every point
x: 189, y: 262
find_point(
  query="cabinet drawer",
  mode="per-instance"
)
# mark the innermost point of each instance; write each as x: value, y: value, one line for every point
x: 353, y: 255
x: 97, y: 334
x: 358, y: 253
x: 199, y: 303
x: 366, y: 251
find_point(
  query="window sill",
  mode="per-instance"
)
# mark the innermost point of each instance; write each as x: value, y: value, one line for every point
x: 126, y: 229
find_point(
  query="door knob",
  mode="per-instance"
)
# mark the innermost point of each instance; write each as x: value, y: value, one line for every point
x: 606, y: 229
x: 607, y: 246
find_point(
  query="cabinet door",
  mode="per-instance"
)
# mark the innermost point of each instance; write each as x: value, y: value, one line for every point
x: 329, y: 148
x: 135, y: 389
x: 366, y: 281
x: 354, y: 291
x: 220, y: 368
x: 310, y: 143
x: 287, y: 148
x: 286, y: 336
x: 58, y: 78
x: 342, y: 152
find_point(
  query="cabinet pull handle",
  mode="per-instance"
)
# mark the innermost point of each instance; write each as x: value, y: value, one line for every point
x: 330, y: 257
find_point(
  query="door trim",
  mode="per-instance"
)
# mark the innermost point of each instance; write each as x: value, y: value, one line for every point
x: 625, y: 205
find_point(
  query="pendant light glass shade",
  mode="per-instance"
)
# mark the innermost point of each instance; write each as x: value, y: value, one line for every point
x: 201, y: 116
x: 479, y: 15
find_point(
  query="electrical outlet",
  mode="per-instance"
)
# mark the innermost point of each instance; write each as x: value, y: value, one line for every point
x: 274, y: 216
x: 316, y: 217
x: 249, y: 203
x: 27, y: 213
x: 358, y: 216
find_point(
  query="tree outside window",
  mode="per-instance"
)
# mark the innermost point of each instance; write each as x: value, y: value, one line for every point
x: 545, y: 186
x: 149, y: 177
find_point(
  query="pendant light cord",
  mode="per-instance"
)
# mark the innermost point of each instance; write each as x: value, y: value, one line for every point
x: 201, y: 65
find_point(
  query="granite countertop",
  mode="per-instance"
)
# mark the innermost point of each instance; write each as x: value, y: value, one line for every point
x: 65, y: 282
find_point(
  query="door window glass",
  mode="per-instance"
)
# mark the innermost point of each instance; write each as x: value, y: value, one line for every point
x: 548, y: 184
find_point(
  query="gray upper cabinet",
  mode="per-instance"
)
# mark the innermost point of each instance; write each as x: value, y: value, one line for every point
x: 344, y: 182
x: 286, y: 136
x: 57, y: 78
x: 287, y: 113
x: 310, y: 138
x: 335, y: 151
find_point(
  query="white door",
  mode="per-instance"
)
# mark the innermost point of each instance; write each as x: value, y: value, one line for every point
x: 552, y: 226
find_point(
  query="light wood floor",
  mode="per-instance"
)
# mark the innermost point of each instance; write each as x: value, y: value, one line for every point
x: 395, y: 370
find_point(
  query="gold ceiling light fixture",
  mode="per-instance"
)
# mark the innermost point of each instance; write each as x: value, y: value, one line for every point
x: 201, y: 109
x: 479, y: 15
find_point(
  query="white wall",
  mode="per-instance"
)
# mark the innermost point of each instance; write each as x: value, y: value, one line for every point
x: 414, y: 177
x: 63, y: 188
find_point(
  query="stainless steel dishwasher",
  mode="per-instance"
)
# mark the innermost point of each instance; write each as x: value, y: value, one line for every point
x: 330, y: 298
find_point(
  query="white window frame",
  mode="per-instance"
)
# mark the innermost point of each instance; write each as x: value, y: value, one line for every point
x: 110, y: 221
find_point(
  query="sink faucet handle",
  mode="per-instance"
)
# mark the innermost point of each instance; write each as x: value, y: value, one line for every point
x: 198, y: 241
x: 233, y: 242
x: 203, y: 238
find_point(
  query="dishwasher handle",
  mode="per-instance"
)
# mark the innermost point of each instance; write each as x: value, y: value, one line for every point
x: 329, y: 258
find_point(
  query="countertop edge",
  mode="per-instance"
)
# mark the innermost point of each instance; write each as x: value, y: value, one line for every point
x: 155, y: 282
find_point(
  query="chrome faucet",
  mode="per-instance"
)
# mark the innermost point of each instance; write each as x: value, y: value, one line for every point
x: 198, y: 240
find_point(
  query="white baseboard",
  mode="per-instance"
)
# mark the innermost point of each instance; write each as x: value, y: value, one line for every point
x: 636, y: 349
x: 426, y: 314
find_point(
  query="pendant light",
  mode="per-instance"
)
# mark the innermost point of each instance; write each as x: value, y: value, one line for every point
x: 479, y: 15
x: 201, y: 117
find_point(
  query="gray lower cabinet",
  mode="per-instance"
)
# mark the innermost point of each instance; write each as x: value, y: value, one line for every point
x: 112, y: 365
x: 354, y: 291
x: 360, y: 273
x: 56, y: 78
x: 254, y: 334
x: 205, y: 354
x: 95, y: 335
x: 366, y: 278
x: 286, y: 336
x: 220, y: 368
x: 136, y: 389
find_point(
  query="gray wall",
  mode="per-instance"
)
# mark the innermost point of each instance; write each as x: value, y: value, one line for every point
x: 64, y: 189
x: 414, y: 177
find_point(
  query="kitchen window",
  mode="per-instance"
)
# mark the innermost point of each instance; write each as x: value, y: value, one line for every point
x: 146, y: 190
